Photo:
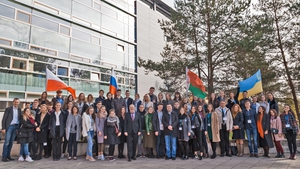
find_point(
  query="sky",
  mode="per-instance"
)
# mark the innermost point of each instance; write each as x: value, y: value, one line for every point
x: 169, y: 2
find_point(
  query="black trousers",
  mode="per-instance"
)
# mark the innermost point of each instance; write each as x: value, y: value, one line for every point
x: 65, y: 144
x: 213, y: 146
x: 160, y: 144
x: 224, y: 136
x: 121, y: 148
x: 72, y: 145
x: 111, y: 150
x: 184, y: 148
x: 40, y: 149
x: 48, y: 148
x: 56, y: 144
x: 204, y: 142
x: 291, y: 139
x: 95, y: 146
x: 197, y: 142
x: 132, y: 140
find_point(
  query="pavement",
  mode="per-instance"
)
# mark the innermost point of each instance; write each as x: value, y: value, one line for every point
x: 144, y: 163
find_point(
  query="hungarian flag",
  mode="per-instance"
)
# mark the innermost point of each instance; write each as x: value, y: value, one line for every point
x: 113, y: 85
x: 195, y: 84
x: 53, y: 83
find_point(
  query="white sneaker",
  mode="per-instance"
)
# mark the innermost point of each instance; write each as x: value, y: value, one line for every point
x: 99, y: 157
x: 102, y: 157
x: 62, y: 156
x: 28, y: 159
x: 21, y: 158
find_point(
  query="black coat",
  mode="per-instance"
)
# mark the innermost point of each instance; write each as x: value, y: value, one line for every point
x: 129, y: 102
x: 166, y: 118
x: 8, y: 117
x: 155, y: 123
x: 273, y: 105
x: 26, y: 128
x: 52, y: 124
x: 42, y: 136
x: 134, y: 126
x: 121, y: 126
x: 107, y: 104
x: 239, y: 120
x: 266, y: 126
x: 142, y: 116
x: 110, y: 132
x: 230, y: 103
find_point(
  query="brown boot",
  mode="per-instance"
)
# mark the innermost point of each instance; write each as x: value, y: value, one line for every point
x: 238, y: 149
x: 241, y: 150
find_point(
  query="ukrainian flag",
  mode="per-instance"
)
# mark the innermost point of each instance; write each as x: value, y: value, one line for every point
x: 253, y: 85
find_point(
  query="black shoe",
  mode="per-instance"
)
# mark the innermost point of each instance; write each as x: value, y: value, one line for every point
x: 129, y: 159
x: 138, y: 156
x: 134, y: 158
x: 278, y: 155
x: 10, y: 159
x: 228, y: 155
x: 38, y: 157
x: 255, y: 155
x: 183, y: 158
x: 173, y: 158
x: 46, y: 156
x: 200, y: 157
x: 167, y: 158
x: 213, y: 156
x: 123, y: 156
x: 222, y: 155
x: 186, y: 157
x: 157, y: 157
x: 5, y: 160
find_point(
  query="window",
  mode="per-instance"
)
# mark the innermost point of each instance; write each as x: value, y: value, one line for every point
x: 105, y: 77
x: 21, y: 16
x: 38, y: 49
x: 4, y: 61
x: 5, y: 42
x: 62, y: 71
x: 120, y: 48
x: 64, y: 30
x: 47, y: 24
x: 81, y: 35
x: 82, y: 74
x: 19, y: 64
x: 97, y: 6
x: 95, y: 76
x: 21, y: 45
x: 7, y: 11
x: 121, y: 80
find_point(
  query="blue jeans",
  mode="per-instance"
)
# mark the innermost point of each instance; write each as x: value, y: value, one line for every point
x: 170, y: 146
x: 10, y: 135
x: 89, y: 148
x: 24, y: 149
x: 253, y: 133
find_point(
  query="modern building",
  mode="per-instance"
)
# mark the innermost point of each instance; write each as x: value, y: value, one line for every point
x: 79, y: 41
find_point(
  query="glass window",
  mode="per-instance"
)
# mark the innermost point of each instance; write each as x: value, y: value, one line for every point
x: 35, y: 82
x: 85, y: 49
x: 108, y: 44
x: 120, y: 48
x: 64, y: 5
x: 41, y: 67
x: 105, y: 77
x: 82, y: 74
x: 121, y: 80
x: 38, y: 49
x: 19, y: 64
x: 81, y: 35
x: 85, y: 87
x: 113, y: 25
x: 87, y: 2
x: 21, y: 45
x: 64, y: 30
x: 21, y: 16
x: 50, y: 40
x: 112, y: 56
x: 4, y: 61
x: 12, y: 80
x: 109, y: 11
x: 96, y: 40
x: 44, y: 23
x: 95, y: 76
x: 97, y: 6
x: 5, y: 42
x: 62, y: 71
x: 14, y: 30
x: 50, y: 17
x: 7, y: 11
x: 89, y: 14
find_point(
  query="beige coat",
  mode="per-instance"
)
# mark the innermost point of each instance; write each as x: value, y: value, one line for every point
x: 215, y: 127
x: 86, y: 122
x: 229, y: 121
x: 276, y: 123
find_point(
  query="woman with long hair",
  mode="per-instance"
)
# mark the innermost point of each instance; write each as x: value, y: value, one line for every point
x: 88, y: 130
x: 43, y: 99
x: 202, y: 114
x: 177, y: 97
x: 73, y: 132
x: 122, y: 137
x: 290, y: 129
x: 90, y: 100
x: 147, y: 102
x: 81, y: 103
x: 69, y: 99
x: 149, y: 137
x: 238, y: 128
x: 214, y: 101
x: 264, y: 132
x: 25, y: 134
x: 276, y: 131
x: 197, y: 128
x: 213, y: 128
x: 100, y: 119
x: 184, y: 132
x: 112, y: 133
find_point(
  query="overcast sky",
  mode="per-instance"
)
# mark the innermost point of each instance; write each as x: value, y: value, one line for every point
x: 169, y: 2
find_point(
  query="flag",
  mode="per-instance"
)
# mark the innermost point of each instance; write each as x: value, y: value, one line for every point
x: 252, y: 85
x: 53, y: 83
x: 113, y: 85
x: 195, y: 84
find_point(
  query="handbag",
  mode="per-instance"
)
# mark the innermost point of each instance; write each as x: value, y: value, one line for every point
x: 116, y: 129
x: 192, y: 136
x: 233, y: 148
x: 21, y: 134
x: 274, y: 130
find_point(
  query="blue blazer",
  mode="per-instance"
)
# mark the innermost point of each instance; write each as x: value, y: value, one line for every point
x: 249, y: 116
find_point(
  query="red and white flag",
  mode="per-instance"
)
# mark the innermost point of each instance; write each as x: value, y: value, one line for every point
x: 53, y: 83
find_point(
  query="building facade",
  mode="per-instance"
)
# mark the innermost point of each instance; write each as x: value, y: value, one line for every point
x: 79, y: 41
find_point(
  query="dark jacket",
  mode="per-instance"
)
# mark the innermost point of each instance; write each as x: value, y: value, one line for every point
x: 56, y: 99
x: 121, y: 126
x: 99, y: 99
x: 266, y: 127
x: 293, y: 123
x: 108, y: 105
x: 164, y: 105
x: 118, y: 103
x: 42, y: 136
x: 129, y: 102
x: 166, y: 118
x: 230, y: 103
x: 155, y: 122
x: 239, y: 120
x: 142, y: 116
x: 249, y: 116
x: 273, y: 105
x: 134, y: 126
x: 52, y: 124
x: 8, y: 117
x: 242, y: 103
x: 26, y: 128
x: 110, y: 132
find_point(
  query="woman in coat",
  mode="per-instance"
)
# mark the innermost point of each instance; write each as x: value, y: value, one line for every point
x: 81, y: 103
x: 238, y: 128
x: 100, y: 119
x: 122, y: 137
x: 42, y: 119
x: 88, y: 130
x: 112, y: 133
x: 25, y: 134
x: 202, y: 114
x: 149, y: 140
x: 213, y: 128
x: 197, y: 127
x: 290, y: 129
x: 214, y: 101
x: 184, y: 132
x: 264, y: 132
x: 73, y: 132
x: 108, y: 102
x: 147, y: 102
x: 68, y: 111
x: 276, y: 129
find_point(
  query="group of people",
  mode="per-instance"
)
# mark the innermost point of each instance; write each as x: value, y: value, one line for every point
x: 153, y: 127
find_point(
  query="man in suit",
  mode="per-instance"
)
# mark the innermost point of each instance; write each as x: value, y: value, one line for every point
x: 170, y: 122
x: 158, y: 128
x: 10, y: 124
x: 132, y: 129
x: 128, y: 100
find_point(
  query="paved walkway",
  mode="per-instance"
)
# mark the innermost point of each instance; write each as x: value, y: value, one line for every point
x: 145, y: 163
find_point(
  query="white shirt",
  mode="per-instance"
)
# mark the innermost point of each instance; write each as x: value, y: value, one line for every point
x: 15, y: 116
x: 57, y: 118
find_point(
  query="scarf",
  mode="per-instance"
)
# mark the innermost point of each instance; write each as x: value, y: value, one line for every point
x: 112, y: 121
x: 259, y: 126
x: 102, y: 115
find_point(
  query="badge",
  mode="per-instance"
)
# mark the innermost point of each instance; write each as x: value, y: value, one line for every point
x: 208, y: 124
x: 249, y: 121
x: 225, y: 118
x: 193, y: 126
x: 45, y: 144
x: 180, y: 128
x: 287, y: 125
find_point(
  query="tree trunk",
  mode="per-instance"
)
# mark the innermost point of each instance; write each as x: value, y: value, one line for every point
x: 210, y: 78
x: 288, y: 73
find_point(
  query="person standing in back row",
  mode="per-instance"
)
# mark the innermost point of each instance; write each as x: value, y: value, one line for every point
x: 118, y: 102
x: 128, y: 100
